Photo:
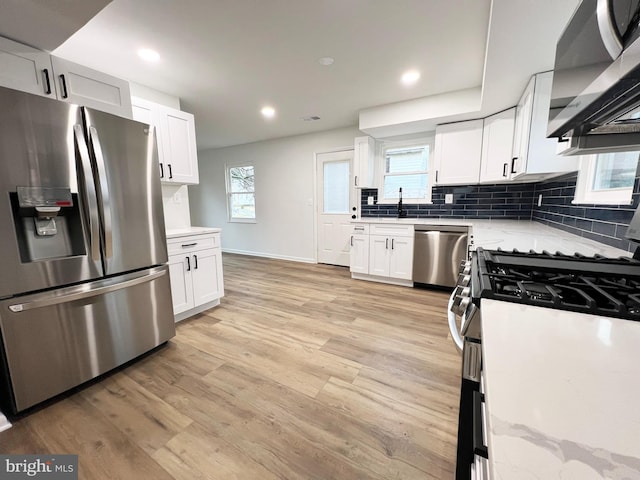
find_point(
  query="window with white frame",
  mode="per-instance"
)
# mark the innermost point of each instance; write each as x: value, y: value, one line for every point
x: 606, y: 178
x: 406, y: 168
x: 241, y: 197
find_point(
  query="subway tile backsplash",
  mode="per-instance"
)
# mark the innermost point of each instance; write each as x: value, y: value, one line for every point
x: 603, y: 223
x: 499, y: 201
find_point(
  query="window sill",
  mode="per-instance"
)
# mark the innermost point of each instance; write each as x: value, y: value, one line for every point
x: 242, y: 220
x: 594, y: 201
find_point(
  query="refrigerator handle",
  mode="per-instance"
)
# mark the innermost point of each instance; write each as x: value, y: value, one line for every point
x: 82, y: 292
x: 105, y: 201
x: 89, y: 190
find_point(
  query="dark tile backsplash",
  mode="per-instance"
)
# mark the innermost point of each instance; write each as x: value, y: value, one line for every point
x: 511, y: 201
x: 603, y: 223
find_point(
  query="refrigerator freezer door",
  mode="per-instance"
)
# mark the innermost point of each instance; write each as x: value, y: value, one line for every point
x: 41, y: 154
x: 56, y: 340
x: 129, y: 192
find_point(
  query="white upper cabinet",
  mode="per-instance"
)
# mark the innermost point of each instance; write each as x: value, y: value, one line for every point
x: 457, y: 153
x: 497, y: 147
x: 534, y: 154
x: 176, y: 136
x: 90, y: 88
x: 30, y: 70
x: 26, y: 69
x: 364, y: 162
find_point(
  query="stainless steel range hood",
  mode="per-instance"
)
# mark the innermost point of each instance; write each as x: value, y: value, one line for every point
x: 595, y: 105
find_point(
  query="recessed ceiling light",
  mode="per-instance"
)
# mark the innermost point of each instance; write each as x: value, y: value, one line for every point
x: 268, y: 112
x: 326, y: 61
x: 410, y: 77
x: 149, y: 55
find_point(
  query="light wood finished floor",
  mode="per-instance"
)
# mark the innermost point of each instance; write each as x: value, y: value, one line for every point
x: 301, y: 373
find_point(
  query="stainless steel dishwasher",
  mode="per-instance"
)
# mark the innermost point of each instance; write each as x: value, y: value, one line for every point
x: 437, y: 253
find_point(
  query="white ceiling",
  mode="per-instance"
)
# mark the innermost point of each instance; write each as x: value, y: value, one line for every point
x: 225, y: 59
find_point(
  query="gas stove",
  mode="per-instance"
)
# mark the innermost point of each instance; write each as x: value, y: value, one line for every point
x: 594, y: 285
x: 507, y: 283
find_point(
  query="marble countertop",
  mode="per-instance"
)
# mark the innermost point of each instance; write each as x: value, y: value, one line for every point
x: 185, y: 231
x: 523, y: 235
x: 561, y: 391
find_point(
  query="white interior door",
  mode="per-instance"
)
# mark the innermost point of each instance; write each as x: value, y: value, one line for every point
x: 335, y: 203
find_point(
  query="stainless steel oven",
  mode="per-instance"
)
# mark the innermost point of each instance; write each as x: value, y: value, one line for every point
x: 466, y: 332
x: 523, y: 281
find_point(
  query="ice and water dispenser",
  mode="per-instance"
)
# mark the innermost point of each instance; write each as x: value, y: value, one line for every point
x: 47, y: 222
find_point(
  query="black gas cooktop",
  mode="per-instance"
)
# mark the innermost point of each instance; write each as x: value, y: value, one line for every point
x: 595, y: 285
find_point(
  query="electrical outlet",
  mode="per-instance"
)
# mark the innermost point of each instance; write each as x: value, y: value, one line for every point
x: 540, y: 200
x: 370, y: 200
x: 448, y: 198
x: 177, y: 198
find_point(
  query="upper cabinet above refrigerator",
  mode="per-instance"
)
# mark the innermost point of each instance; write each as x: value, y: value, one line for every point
x: 30, y: 70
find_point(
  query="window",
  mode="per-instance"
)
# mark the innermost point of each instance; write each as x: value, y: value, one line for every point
x: 406, y: 167
x: 607, y: 178
x: 336, y: 184
x: 241, y: 194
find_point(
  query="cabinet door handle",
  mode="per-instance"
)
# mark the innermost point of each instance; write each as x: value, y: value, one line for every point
x: 161, y: 171
x: 188, y: 264
x: 562, y: 140
x: 170, y: 171
x: 47, y: 82
x: 63, y: 83
x: 195, y: 262
x: 436, y: 176
x: 386, y: 243
x: 513, y: 164
x: 185, y: 245
x: 392, y: 241
x: 504, y: 169
x: 355, y: 180
x: 351, y: 240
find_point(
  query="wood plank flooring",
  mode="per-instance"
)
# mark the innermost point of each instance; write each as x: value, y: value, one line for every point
x: 300, y: 373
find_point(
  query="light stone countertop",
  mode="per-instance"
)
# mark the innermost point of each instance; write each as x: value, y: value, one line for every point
x: 186, y: 231
x: 523, y: 235
x: 561, y: 394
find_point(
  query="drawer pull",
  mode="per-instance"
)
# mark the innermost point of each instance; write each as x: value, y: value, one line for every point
x: 185, y: 245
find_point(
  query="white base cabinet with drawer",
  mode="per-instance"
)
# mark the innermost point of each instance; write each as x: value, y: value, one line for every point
x: 359, y: 256
x: 389, y: 253
x: 195, y: 271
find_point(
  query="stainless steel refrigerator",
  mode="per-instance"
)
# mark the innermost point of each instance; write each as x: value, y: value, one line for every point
x: 84, y: 285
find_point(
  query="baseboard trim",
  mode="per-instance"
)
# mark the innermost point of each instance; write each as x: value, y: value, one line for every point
x: 269, y: 255
x: 389, y: 280
x: 194, y: 311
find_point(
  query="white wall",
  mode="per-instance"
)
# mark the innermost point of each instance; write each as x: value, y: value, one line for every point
x: 175, y: 200
x: 284, y: 170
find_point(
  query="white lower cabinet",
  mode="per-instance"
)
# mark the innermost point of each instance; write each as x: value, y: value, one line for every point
x: 195, y: 271
x: 359, y: 256
x: 383, y: 253
x: 391, y: 256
